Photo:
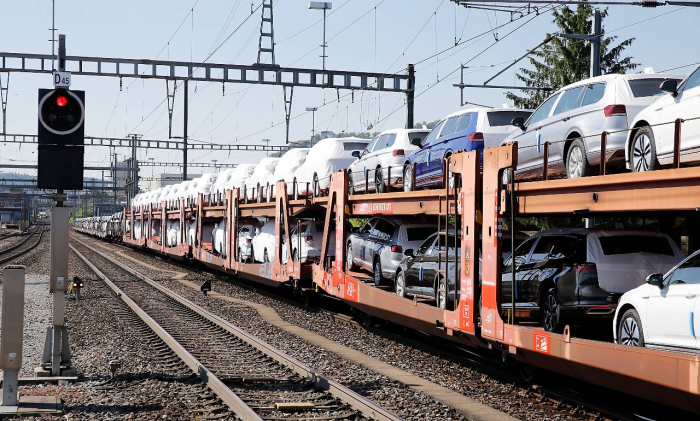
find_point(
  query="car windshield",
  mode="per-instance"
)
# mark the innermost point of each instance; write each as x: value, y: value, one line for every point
x: 433, y: 135
x: 244, y: 230
x: 687, y: 272
x: 646, y: 87
x: 504, y: 118
x: 419, y: 233
x: 629, y: 244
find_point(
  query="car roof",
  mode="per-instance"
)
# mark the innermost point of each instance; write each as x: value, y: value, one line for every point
x: 586, y: 231
x: 404, y: 131
x: 478, y: 109
x: 617, y: 76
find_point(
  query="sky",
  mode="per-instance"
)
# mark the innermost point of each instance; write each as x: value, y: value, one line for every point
x: 363, y: 35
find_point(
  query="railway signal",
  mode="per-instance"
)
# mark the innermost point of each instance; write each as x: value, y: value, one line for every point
x: 61, y: 117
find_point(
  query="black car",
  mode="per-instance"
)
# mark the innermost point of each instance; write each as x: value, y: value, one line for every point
x: 418, y: 274
x: 567, y: 273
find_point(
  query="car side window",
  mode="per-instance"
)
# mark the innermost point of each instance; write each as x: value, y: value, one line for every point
x: 369, y: 147
x: 687, y: 273
x: 569, y: 100
x: 433, y: 135
x: 522, y: 252
x: 383, y: 229
x: 464, y: 123
x: 543, y: 110
x: 554, y: 247
x: 427, y: 244
x: 450, y: 126
x: 368, y: 226
x: 390, y: 139
x: 593, y: 93
x: 381, y: 143
x: 692, y: 82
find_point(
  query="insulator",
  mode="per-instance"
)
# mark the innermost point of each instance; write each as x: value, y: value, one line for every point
x: 651, y: 3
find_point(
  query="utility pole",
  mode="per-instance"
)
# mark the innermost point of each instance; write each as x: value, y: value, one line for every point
x: 410, y: 96
x: 313, y: 122
x: 595, y: 43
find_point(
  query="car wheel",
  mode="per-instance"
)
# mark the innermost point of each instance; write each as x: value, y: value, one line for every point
x: 400, y: 284
x: 252, y: 254
x: 408, y: 178
x: 349, y: 265
x: 351, y: 186
x: 576, y: 162
x: 379, y: 180
x: 441, y: 293
x: 266, y: 258
x: 551, y: 311
x: 643, y: 151
x: 377, y: 272
x: 630, y: 332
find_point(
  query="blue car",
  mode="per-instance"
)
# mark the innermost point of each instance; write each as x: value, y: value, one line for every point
x: 466, y: 130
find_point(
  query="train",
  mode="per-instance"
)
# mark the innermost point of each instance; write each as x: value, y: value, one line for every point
x: 480, y: 199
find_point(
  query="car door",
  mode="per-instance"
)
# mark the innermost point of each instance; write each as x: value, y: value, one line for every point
x: 421, y: 155
x: 563, y: 117
x: 358, y: 167
x: 670, y: 314
x: 369, y: 163
x: 530, y: 140
x: 378, y: 240
x: 414, y: 271
x: 550, y: 262
x: 523, y: 266
x: 685, y: 106
x: 363, y: 241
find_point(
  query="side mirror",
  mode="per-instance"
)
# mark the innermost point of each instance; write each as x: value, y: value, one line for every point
x: 408, y: 252
x: 670, y: 86
x: 416, y: 142
x: 356, y: 154
x: 656, y: 279
x: 518, y: 122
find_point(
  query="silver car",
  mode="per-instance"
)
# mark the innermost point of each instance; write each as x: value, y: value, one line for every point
x: 379, y: 245
x: 387, y: 149
x: 573, y: 119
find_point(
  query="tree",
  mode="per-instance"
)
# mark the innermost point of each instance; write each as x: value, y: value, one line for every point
x: 565, y: 61
x: 430, y: 125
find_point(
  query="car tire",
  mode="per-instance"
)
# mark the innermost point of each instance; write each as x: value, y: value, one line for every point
x: 252, y: 254
x: 377, y: 271
x: 441, y: 297
x: 400, y: 284
x: 551, y: 311
x: 379, y: 180
x: 266, y: 258
x: 577, y: 165
x: 407, y: 177
x: 351, y: 185
x: 630, y: 331
x: 349, y: 265
x: 643, y: 151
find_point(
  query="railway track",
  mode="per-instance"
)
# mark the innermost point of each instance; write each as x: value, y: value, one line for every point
x: 22, y: 247
x: 255, y: 380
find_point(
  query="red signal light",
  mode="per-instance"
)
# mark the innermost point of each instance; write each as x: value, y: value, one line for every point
x: 61, y: 101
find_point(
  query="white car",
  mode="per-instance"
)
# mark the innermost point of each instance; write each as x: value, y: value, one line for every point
x: 650, y: 142
x: 239, y: 176
x: 387, y: 149
x: 573, y: 119
x: 264, y: 243
x: 258, y: 180
x: 244, y: 240
x: 285, y: 169
x: 310, y: 242
x: 326, y: 157
x: 664, y: 312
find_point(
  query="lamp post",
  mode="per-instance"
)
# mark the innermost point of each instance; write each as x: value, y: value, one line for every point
x: 322, y: 5
x: 267, y: 143
x: 313, y: 122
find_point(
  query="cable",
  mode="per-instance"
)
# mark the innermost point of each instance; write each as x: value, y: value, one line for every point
x: 679, y: 67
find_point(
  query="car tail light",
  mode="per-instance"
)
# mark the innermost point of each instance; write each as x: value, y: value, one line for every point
x: 616, y: 109
x: 587, y: 268
x: 396, y: 249
x: 308, y: 239
x: 476, y: 137
x: 248, y: 240
x: 399, y: 152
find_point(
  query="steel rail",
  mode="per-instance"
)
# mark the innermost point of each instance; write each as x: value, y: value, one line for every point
x: 356, y: 401
x: 229, y: 398
x: 14, y: 247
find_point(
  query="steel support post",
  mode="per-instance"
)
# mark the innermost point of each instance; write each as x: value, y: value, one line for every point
x: 184, y: 135
x: 12, y: 332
